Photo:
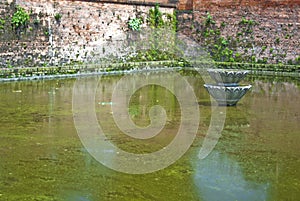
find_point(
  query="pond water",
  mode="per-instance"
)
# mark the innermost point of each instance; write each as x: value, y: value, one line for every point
x: 256, y: 158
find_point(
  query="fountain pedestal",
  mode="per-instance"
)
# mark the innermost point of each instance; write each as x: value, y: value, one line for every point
x: 227, y: 90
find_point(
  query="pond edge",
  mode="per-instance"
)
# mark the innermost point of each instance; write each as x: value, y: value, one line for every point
x: 106, y: 68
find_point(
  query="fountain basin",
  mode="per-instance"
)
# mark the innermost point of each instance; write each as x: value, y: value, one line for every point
x: 227, y: 95
x: 227, y: 77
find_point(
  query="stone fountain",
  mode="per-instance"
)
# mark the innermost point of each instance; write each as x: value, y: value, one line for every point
x: 227, y: 91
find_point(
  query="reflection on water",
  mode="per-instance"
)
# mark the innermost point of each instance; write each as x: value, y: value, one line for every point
x: 256, y: 158
x: 76, y: 196
x: 219, y: 177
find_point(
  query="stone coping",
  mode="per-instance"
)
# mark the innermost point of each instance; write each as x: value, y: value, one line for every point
x: 34, y: 73
x: 135, y: 2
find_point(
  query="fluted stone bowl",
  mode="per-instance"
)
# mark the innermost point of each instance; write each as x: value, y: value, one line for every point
x: 227, y: 77
x: 227, y: 95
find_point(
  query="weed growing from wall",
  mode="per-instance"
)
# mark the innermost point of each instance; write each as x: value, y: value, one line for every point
x: 247, y: 43
x: 135, y: 24
x: 20, y: 18
x: 57, y: 16
x: 159, y: 40
x: 155, y: 19
x: 2, y: 23
x: 225, y: 49
x: 220, y: 48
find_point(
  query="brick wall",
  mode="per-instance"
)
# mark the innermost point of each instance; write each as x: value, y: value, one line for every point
x: 21, y: 46
x: 199, y: 4
x: 86, y: 32
x: 275, y: 35
x: 185, y: 5
x: 92, y: 29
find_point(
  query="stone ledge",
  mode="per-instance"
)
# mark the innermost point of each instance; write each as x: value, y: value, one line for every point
x: 34, y: 73
x: 133, y: 2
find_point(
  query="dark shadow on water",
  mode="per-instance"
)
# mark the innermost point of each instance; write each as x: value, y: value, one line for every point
x: 205, y: 103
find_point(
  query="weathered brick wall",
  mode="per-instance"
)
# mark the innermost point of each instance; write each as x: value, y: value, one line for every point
x: 185, y: 5
x: 199, y: 4
x: 86, y: 32
x: 274, y: 36
x: 92, y: 29
x: 21, y: 45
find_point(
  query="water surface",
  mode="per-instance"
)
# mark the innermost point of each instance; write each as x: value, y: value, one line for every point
x: 257, y: 157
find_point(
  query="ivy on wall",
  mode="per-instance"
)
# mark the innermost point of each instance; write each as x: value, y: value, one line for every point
x: 219, y: 47
x: 242, y: 45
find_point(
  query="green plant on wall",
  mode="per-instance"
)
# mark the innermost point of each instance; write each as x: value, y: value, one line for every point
x: 209, y: 28
x: 155, y: 18
x: 157, y: 55
x: 36, y: 22
x: 244, y: 21
x: 46, y: 32
x: 160, y: 41
x: 246, y: 26
x: 172, y: 20
x: 221, y: 51
x: 20, y: 18
x: 220, y: 48
x: 57, y: 16
x: 8, y: 64
x: 209, y: 19
x: 2, y: 23
x: 297, y: 60
x: 135, y: 24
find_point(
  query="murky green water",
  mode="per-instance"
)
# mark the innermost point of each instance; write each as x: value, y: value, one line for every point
x: 42, y: 158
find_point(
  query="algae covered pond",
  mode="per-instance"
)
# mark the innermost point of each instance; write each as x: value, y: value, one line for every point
x: 256, y: 158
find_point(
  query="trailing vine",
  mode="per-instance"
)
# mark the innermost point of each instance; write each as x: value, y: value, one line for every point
x: 225, y: 49
x: 219, y: 47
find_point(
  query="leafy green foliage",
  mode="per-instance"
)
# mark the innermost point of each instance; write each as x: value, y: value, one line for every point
x: 209, y: 19
x: 151, y: 55
x: 155, y: 18
x: 172, y: 20
x: 156, y: 55
x: 8, y: 65
x: 135, y: 24
x: 248, y: 22
x: 2, y: 23
x: 20, y: 17
x: 36, y: 22
x: 228, y: 49
x: 160, y: 40
x: 295, y: 62
x: 57, y: 16
x: 218, y: 46
x: 46, y: 32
